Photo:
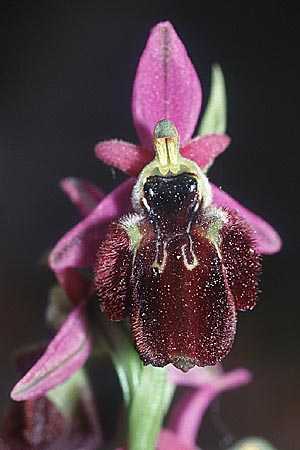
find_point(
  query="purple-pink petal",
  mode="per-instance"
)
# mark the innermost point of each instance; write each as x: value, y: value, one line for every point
x: 124, y: 156
x: 82, y: 193
x: 186, y: 416
x: 166, y: 86
x: 267, y: 239
x: 66, y: 353
x: 204, y: 149
x: 131, y: 158
x: 78, y: 247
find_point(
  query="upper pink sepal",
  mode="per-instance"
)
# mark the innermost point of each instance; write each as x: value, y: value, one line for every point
x: 82, y: 193
x: 66, y: 353
x: 204, y: 149
x: 267, y: 239
x: 78, y: 247
x: 166, y: 86
x: 124, y: 156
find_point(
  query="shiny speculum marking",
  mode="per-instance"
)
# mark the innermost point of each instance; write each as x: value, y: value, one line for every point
x: 172, y: 203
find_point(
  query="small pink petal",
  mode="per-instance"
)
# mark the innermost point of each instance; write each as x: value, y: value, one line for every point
x: 66, y: 353
x: 267, y: 239
x: 124, y: 156
x: 186, y: 417
x: 166, y: 86
x: 204, y: 149
x: 83, y: 194
x: 78, y: 247
x: 168, y: 440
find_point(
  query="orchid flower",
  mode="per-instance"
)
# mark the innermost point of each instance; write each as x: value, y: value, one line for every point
x: 181, y: 266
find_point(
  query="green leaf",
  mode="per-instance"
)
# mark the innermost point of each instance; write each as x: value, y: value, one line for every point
x: 215, y: 116
x: 149, y: 405
x: 252, y: 443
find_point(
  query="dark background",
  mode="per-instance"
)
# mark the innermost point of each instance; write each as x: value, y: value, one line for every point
x: 66, y: 75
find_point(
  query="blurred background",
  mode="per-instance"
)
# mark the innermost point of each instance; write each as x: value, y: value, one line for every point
x: 66, y: 76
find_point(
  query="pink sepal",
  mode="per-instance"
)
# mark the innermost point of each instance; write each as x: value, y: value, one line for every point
x: 186, y: 416
x: 65, y: 354
x: 166, y: 86
x: 82, y: 193
x: 78, y: 247
x: 267, y: 239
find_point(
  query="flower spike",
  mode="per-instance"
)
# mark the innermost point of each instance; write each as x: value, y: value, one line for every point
x: 179, y: 266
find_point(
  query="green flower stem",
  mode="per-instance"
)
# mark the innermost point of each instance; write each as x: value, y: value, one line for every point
x: 128, y: 366
x: 146, y: 390
x: 149, y: 405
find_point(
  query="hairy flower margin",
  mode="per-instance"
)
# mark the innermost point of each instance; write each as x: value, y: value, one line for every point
x: 166, y: 86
